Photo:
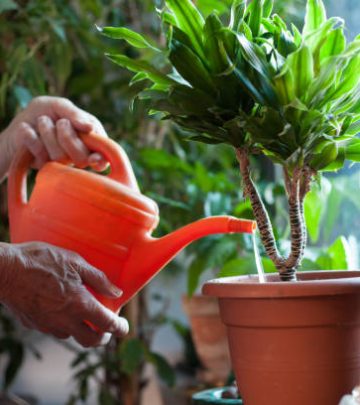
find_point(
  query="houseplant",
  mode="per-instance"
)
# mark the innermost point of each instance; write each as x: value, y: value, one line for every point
x: 294, y: 97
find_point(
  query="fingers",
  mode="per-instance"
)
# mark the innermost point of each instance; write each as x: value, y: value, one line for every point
x: 97, y: 162
x: 57, y: 141
x: 71, y: 143
x: 47, y: 131
x: 30, y: 139
x: 97, y: 281
x: 99, y: 318
x: 80, y: 119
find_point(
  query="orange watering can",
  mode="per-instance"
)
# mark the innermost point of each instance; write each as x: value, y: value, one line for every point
x: 105, y: 219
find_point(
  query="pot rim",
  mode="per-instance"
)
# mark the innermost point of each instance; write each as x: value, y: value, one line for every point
x: 310, y: 283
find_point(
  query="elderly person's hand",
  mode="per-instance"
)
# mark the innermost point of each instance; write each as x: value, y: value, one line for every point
x: 44, y: 286
x: 48, y: 127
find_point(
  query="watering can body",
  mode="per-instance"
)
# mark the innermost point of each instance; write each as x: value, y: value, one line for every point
x: 105, y: 219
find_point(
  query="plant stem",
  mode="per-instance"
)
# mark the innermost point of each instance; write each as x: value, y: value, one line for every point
x: 296, y: 185
x: 296, y: 226
x: 260, y: 212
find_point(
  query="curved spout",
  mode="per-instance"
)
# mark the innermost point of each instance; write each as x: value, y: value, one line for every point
x: 150, y: 255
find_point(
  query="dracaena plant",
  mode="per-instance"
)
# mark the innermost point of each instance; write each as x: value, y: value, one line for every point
x: 260, y: 86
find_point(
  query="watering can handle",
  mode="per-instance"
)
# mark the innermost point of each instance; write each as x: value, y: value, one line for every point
x: 121, y: 169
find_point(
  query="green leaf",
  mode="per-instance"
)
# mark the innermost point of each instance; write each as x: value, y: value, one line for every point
x: 237, y: 14
x: 315, y: 15
x: 141, y: 66
x: 335, y: 44
x: 190, y: 67
x: 353, y: 150
x: 8, y: 5
x: 349, y: 81
x: 189, y: 19
x: 302, y: 68
x: 325, y: 157
x: 197, y: 267
x: 132, y: 354
x: 314, y: 208
x: 256, y: 16
x: 238, y: 267
x: 338, y: 163
x: 285, y: 86
x: 163, y: 368
x: 133, y: 38
x: 339, y: 254
x: 268, y: 8
x: 215, y: 53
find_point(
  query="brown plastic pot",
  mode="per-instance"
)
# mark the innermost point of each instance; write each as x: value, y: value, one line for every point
x: 292, y: 343
x: 209, y: 337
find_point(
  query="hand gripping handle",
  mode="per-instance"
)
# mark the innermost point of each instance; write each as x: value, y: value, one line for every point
x: 121, y: 169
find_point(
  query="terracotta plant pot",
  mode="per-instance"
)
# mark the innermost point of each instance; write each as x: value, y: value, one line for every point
x: 294, y: 343
x: 210, y: 339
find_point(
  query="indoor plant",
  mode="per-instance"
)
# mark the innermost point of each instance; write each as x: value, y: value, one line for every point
x: 294, y: 97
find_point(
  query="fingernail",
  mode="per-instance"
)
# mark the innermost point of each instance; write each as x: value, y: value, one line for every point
x: 116, y: 291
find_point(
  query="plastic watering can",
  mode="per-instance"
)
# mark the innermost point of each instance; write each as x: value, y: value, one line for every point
x: 105, y: 219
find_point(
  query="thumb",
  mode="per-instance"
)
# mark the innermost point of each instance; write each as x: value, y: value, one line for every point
x: 98, y: 281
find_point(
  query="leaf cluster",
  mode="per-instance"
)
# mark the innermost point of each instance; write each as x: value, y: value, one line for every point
x: 253, y: 82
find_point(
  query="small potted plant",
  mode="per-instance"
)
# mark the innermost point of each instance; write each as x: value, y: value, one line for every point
x: 267, y: 90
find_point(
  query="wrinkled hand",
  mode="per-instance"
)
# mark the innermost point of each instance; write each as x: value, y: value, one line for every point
x: 44, y: 286
x: 48, y: 128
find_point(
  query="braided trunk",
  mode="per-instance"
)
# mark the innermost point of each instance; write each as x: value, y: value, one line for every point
x: 296, y: 186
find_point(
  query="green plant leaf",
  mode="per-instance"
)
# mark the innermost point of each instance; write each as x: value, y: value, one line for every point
x: 238, y: 267
x: 353, y: 150
x: 237, y: 14
x: 315, y: 15
x: 314, y: 204
x: 132, y: 354
x: 132, y: 37
x: 335, y: 44
x: 255, y: 16
x: 163, y: 368
x: 285, y: 86
x: 301, y: 65
x: 190, y: 67
x: 189, y: 20
x: 197, y: 267
x: 215, y: 53
x: 141, y: 66
x: 325, y: 157
x: 268, y: 8
x: 339, y: 255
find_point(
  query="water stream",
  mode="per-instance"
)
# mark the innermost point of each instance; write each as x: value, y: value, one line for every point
x: 258, y: 263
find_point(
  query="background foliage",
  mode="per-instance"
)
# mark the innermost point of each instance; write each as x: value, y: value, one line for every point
x: 53, y: 47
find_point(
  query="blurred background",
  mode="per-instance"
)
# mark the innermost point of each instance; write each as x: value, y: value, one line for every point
x: 53, y: 47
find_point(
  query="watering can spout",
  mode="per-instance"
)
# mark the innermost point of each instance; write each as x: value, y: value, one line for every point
x: 157, y: 252
x: 166, y: 247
